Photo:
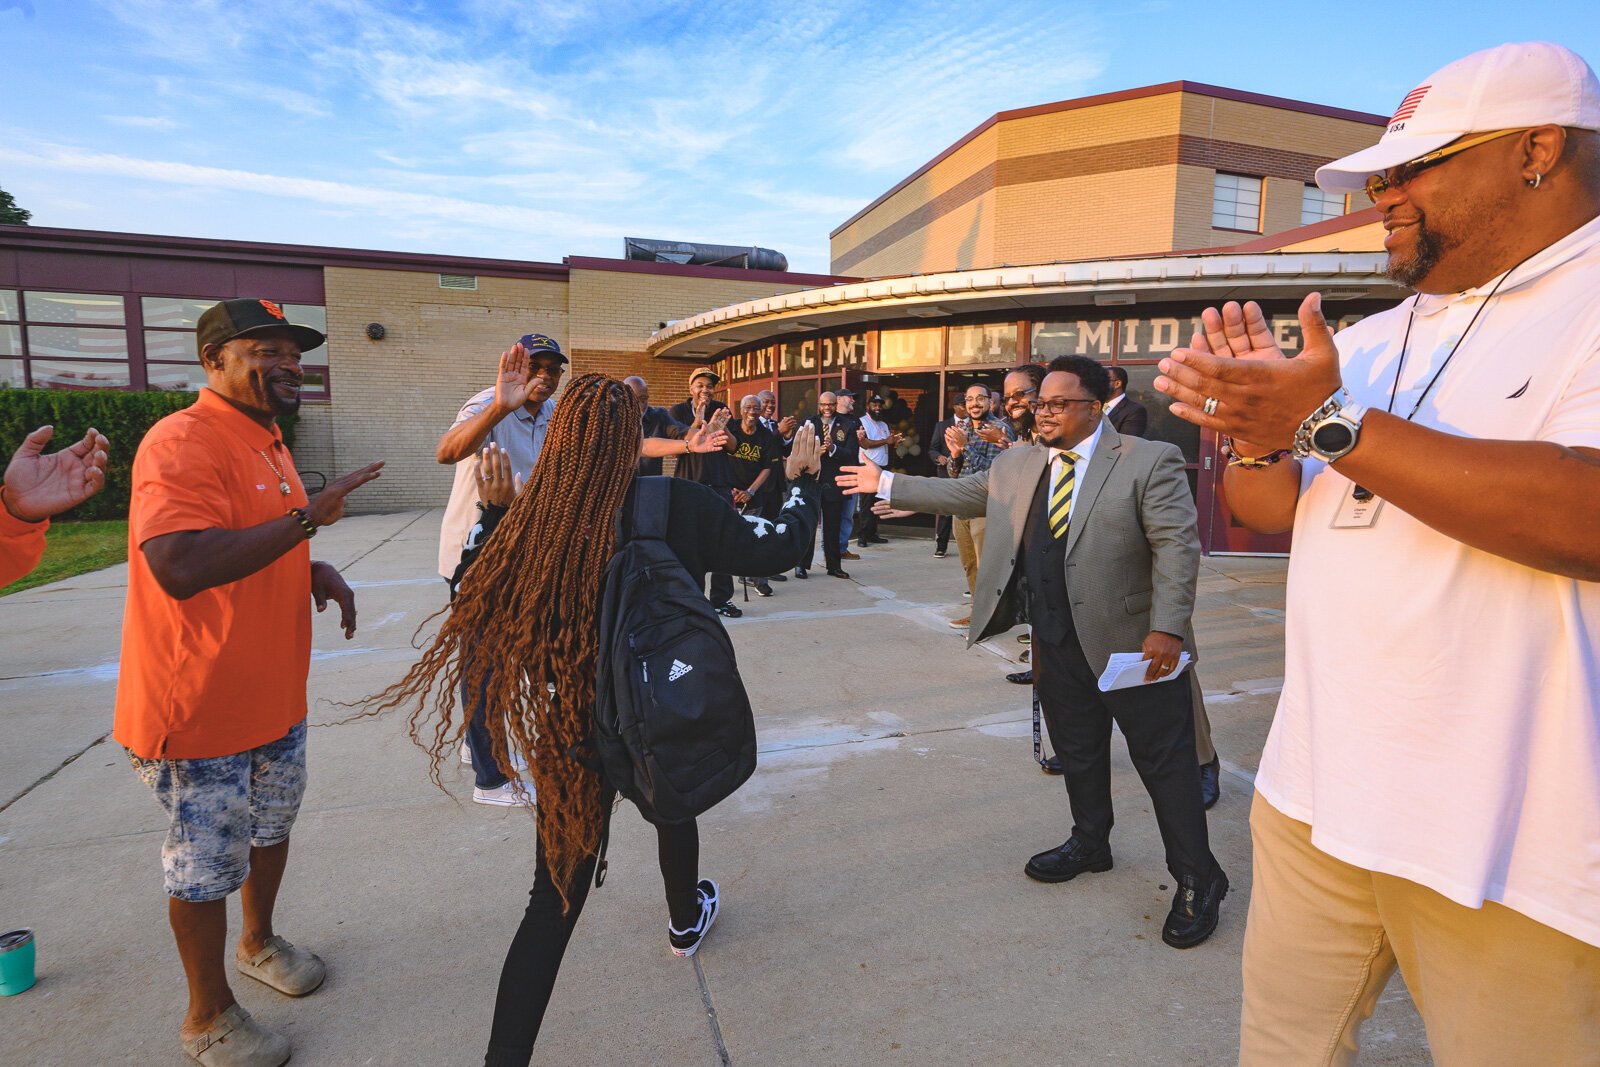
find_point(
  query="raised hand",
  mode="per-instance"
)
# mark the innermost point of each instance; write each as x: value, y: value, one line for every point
x: 38, y: 486
x: 860, y: 481
x: 497, y: 484
x: 805, y: 456
x: 1260, y: 396
x: 989, y: 432
x: 719, y: 419
x: 786, y: 426
x: 514, y: 382
x: 327, y: 507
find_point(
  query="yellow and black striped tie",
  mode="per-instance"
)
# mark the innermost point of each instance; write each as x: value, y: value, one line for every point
x: 1061, y: 496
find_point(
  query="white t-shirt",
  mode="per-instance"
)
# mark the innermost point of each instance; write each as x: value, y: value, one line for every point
x: 1440, y: 717
x: 521, y: 435
x: 877, y: 430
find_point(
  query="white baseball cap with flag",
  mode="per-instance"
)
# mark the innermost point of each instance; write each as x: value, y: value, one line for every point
x: 1513, y: 86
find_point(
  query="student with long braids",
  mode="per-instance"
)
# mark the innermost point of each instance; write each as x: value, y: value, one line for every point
x: 537, y: 585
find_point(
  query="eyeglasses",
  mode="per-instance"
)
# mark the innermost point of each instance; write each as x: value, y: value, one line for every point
x: 1022, y: 397
x: 1403, y: 173
x: 1056, y: 407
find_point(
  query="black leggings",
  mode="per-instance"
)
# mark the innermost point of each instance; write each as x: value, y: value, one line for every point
x: 532, y: 962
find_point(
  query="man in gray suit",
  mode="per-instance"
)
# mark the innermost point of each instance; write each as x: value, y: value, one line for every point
x: 1097, y: 531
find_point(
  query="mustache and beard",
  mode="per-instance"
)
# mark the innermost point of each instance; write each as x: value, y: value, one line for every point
x: 1409, y: 269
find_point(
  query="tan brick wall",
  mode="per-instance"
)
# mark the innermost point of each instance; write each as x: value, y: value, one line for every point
x: 613, y: 314
x: 393, y: 398
x: 1123, y: 178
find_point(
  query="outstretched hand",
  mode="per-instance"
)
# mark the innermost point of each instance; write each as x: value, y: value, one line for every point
x: 497, y: 483
x: 327, y: 507
x: 805, y: 455
x: 327, y: 584
x: 703, y: 438
x: 515, y: 379
x: 1261, y: 396
x: 860, y: 481
x: 38, y: 486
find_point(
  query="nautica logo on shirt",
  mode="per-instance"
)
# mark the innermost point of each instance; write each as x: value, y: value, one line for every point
x: 679, y: 669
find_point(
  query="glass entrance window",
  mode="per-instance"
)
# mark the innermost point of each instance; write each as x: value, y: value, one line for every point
x: 1164, y: 425
x: 986, y: 343
x: 797, y: 398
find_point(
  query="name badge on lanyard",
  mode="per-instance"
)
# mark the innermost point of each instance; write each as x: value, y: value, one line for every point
x: 1357, y: 511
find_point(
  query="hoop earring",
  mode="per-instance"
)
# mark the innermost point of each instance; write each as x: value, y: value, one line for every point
x: 1537, y: 178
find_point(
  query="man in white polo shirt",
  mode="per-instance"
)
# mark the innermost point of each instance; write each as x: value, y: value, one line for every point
x: 1429, y: 796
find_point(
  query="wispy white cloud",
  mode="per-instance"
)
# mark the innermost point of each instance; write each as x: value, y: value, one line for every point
x: 144, y: 122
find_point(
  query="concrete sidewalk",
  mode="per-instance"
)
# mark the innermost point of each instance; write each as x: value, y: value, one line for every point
x: 875, y: 909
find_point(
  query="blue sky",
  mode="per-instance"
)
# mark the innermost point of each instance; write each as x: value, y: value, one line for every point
x: 539, y: 129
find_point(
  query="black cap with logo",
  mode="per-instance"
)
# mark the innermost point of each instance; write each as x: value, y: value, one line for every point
x: 245, y: 316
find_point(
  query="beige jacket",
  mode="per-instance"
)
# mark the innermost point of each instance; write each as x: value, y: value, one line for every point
x: 1133, y: 551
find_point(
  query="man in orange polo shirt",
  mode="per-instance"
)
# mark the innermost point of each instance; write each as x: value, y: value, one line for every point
x: 216, y: 647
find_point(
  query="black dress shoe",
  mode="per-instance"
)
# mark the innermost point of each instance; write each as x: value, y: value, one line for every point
x: 1196, y: 906
x: 777, y: 578
x: 800, y: 572
x: 1021, y: 677
x: 1211, y: 782
x: 838, y: 574
x: 877, y: 540
x: 1067, y: 862
x: 1052, y: 766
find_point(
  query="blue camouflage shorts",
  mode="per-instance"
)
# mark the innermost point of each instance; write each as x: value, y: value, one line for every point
x: 221, y: 807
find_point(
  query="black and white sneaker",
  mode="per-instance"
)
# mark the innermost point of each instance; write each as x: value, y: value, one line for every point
x: 729, y: 611
x: 686, y: 943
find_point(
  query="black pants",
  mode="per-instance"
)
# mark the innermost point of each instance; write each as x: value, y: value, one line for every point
x: 942, y: 525
x: 721, y: 585
x: 529, y: 974
x: 866, y: 521
x: 833, y: 502
x: 1158, y: 723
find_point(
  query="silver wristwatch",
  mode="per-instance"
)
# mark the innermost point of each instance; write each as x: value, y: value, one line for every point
x: 1331, y: 431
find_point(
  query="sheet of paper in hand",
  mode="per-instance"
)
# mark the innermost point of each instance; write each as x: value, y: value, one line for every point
x: 1127, y: 669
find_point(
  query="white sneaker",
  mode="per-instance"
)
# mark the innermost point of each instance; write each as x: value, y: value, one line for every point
x: 466, y: 753
x: 513, y: 793
x: 686, y: 943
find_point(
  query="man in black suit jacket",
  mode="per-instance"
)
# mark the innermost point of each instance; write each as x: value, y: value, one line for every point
x: 712, y: 469
x: 1127, y: 415
x: 942, y: 524
x: 840, y: 448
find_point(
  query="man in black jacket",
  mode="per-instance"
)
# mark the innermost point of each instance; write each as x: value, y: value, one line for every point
x: 1127, y: 415
x: 837, y: 433
x: 711, y: 469
x: 941, y: 464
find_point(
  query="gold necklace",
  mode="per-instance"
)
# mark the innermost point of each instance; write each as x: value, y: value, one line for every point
x: 283, y: 483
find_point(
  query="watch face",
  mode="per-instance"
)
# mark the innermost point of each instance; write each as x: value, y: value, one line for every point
x: 1332, y: 438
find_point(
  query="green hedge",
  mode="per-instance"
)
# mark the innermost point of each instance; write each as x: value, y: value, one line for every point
x: 123, y: 417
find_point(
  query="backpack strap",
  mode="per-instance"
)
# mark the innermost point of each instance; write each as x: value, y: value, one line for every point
x: 652, y: 503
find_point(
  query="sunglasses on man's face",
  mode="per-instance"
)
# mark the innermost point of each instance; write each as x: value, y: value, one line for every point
x: 1056, y: 407
x: 1398, y: 177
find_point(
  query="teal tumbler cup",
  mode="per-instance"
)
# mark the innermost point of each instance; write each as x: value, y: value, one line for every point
x: 16, y: 962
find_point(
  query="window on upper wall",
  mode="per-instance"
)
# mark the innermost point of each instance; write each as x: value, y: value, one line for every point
x: 1318, y: 206
x: 74, y: 340
x: 1236, y: 203
x: 172, y: 359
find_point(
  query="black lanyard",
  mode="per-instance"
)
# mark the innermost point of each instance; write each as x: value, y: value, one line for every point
x: 1405, y: 343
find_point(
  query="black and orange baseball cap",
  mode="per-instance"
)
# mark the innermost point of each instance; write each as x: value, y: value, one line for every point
x: 245, y: 316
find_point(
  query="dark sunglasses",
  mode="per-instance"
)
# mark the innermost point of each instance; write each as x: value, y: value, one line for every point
x: 1398, y: 176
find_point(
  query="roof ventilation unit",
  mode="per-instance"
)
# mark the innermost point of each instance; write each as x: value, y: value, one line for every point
x: 702, y: 255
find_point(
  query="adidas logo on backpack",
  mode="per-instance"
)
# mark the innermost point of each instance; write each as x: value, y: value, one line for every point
x: 679, y: 669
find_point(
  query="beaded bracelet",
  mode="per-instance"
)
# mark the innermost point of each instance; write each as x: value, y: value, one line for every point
x: 304, y: 519
x: 1249, y: 463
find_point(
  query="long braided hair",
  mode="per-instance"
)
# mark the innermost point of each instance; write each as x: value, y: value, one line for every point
x: 524, y: 627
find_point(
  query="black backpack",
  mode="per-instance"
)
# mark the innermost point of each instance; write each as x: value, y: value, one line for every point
x: 673, y: 727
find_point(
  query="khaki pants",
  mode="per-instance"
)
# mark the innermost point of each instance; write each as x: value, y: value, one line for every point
x: 969, y: 542
x: 1493, y: 986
